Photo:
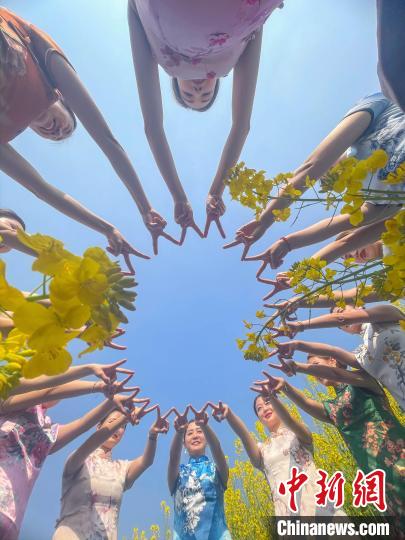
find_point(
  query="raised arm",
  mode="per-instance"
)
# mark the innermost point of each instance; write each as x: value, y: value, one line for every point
x: 150, y: 97
x: 360, y: 237
x: 382, y: 313
x: 106, y: 373
x: 328, y: 227
x: 245, y: 75
x: 16, y: 167
x: 139, y: 465
x: 30, y: 399
x: 314, y: 167
x: 287, y: 349
x: 223, y: 411
x: 10, y: 238
x: 310, y: 406
x: 180, y: 425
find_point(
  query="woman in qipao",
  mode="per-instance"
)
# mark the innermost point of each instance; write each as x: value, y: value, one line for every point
x: 197, y: 487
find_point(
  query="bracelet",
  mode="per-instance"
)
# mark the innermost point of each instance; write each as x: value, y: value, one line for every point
x: 284, y: 239
x: 152, y: 437
x: 94, y: 387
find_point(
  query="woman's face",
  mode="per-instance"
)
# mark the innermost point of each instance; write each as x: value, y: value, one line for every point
x: 10, y: 224
x: 266, y: 414
x: 56, y: 123
x: 194, y: 440
x: 116, y: 436
x: 319, y: 360
x: 197, y: 93
x: 365, y: 254
x: 349, y: 328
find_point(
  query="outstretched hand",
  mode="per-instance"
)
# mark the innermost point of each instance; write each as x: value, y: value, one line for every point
x: 200, y: 417
x: 116, y: 346
x: 138, y: 413
x: 287, y: 308
x: 108, y: 373
x: 155, y: 225
x: 183, y: 215
x: 119, y: 246
x: 287, y: 365
x: 247, y: 235
x: 219, y: 412
x: 181, y: 421
x: 215, y: 208
x: 111, y: 388
x: 125, y: 403
x: 161, y: 424
x: 268, y: 387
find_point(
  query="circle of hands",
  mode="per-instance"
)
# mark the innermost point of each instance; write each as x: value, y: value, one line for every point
x: 135, y: 408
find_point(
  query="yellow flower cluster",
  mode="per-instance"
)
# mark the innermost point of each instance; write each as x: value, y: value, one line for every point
x: 343, y: 183
x: 87, y: 291
x: 252, y: 189
x: 347, y: 177
x: 255, y: 346
x: 393, y: 283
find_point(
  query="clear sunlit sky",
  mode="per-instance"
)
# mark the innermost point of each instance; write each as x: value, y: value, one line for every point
x: 318, y: 59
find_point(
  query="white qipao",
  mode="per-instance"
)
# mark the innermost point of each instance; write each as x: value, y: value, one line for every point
x: 280, y: 453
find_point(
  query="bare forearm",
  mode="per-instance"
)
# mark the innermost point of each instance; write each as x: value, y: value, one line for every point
x: 308, y: 405
x: 15, y: 166
x: 30, y: 399
x: 40, y: 383
x: 163, y: 157
x: 349, y: 296
x: 357, y: 239
x: 324, y: 349
x: 174, y: 460
x: 150, y: 451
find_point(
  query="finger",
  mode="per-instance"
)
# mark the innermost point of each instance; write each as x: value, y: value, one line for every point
x: 245, y: 250
x: 117, y: 364
x: 168, y: 413
x: 204, y: 408
x: 267, y: 281
x: 262, y: 269
x: 115, y: 346
x: 212, y: 405
x: 186, y: 411
x: 134, y: 393
x: 272, y: 353
x: 158, y: 411
x: 194, y: 411
x: 220, y: 228
x: 129, y: 263
x: 232, y: 244
x: 270, y: 294
x: 124, y: 381
x: 258, y: 257
x: 170, y: 238
x: 275, y: 366
x: 149, y: 410
x: 207, y: 226
x: 183, y: 235
x: 155, y: 239
x: 266, y: 374
x: 141, y: 400
x: 197, y: 229
x: 257, y: 389
x: 176, y: 412
x: 123, y: 370
x: 130, y: 389
x: 129, y: 250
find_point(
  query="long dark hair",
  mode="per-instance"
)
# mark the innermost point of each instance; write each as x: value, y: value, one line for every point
x: 180, y: 100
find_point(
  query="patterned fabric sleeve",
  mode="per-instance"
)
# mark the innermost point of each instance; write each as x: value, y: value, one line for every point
x: 375, y: 104
x: 124, y: 465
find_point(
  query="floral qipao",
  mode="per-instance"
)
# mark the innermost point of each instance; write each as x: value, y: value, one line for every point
x: 26, y: 438
x: 199, y: 502
x: 213, y: 34
x: 374, y: 436
x: 91, y: 499
x: 280, y: 453
x: 382, y: 355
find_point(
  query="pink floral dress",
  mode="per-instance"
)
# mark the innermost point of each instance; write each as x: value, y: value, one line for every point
x: 280, y: 453
x: 91, y: 499
x: 26, y: 438
x: 200, y: 39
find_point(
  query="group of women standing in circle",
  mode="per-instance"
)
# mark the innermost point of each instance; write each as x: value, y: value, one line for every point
x: 40, y: 89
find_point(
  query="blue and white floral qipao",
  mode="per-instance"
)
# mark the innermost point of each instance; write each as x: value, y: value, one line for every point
x: 199, y: 502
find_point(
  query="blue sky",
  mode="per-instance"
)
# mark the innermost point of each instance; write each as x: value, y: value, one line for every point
x: 318, y: 59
